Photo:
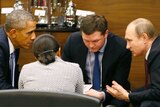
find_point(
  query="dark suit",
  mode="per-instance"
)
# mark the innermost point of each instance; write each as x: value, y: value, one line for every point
x: 150, y: 97
x: 5, y: 73
x: 115, y: 62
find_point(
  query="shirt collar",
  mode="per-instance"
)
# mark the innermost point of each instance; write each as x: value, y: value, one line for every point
x: 146, y: 57
x: 102, y: 49
x: 11, y: 47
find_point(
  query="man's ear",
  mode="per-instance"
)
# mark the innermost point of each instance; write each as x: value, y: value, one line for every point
x: 106, y: 33
x: 12, y: 33
x: 145, y: 37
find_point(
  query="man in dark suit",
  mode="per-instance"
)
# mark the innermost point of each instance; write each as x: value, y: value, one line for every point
x: 142, y: 39
x: 114, y: 58
x: 18, y: 32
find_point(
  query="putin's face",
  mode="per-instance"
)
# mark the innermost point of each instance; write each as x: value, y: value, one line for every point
x: 135, y: 43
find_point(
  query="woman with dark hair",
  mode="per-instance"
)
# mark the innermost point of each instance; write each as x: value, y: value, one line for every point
x: 50, y: 72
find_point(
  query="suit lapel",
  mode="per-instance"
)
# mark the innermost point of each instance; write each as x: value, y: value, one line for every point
x: 4, y: 42
x: 154, y: 47
x: 82, y: 51
x: 106, y: 59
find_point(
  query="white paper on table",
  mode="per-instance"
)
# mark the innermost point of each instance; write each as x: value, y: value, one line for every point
x: 86, y: 87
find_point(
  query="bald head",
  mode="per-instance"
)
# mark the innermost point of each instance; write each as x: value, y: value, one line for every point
x: 142, y: 25
x: 140, y: 34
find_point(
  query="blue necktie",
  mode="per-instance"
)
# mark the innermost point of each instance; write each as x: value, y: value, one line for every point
x: 96, y: 73
x: 12, y: 67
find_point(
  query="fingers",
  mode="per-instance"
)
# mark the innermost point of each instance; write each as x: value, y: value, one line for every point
x: 111, y: 90
x: 116, y: 86
x: 114, y: 89
x: 115, y: 83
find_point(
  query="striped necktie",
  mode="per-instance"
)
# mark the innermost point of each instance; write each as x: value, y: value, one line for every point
x: 12, y: 67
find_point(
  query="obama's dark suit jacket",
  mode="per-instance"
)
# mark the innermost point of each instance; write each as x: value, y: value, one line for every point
x: 5, y: 73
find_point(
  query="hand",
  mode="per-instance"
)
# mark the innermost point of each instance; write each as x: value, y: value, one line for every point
x: 117, y: 91
x: 96, y: 94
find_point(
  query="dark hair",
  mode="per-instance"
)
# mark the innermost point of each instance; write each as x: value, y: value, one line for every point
x: 92, y: 23
x: 44, y: 48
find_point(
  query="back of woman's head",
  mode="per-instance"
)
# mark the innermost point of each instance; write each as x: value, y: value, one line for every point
x: 44, y: 48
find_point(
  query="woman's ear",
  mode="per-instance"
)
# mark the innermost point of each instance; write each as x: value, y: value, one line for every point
x: 58, y: 53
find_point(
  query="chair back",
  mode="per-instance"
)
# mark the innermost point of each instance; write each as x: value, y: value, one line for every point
x: 25, y: 98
